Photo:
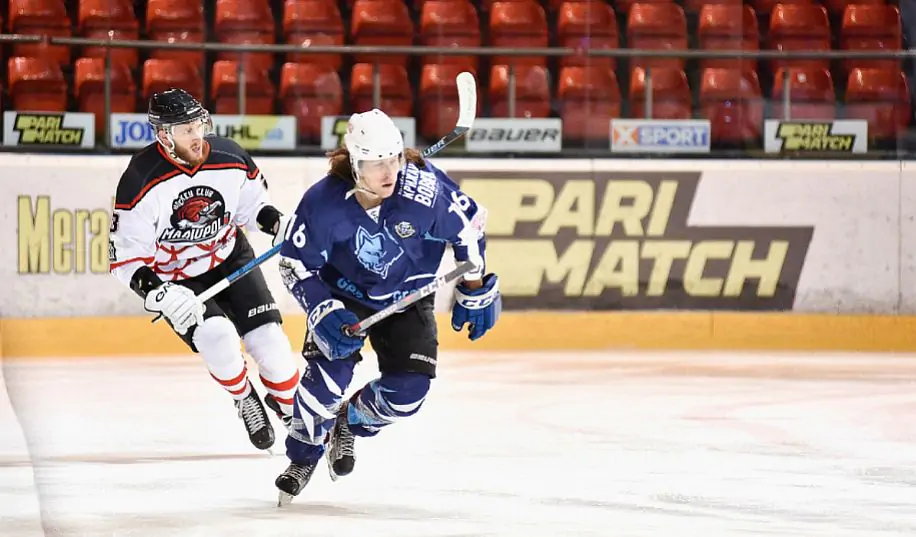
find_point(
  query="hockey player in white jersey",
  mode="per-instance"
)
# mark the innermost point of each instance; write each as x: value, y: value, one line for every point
x: 175, y: 231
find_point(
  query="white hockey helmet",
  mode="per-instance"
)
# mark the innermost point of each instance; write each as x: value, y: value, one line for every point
x: 372, y: 135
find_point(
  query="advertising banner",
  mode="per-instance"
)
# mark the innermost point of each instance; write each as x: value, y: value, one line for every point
x: 575, y: 234
x: 839, y: 136
x: 272, y: 133
x: 48, y: 129
x: 524, y: 135
x: 660, y: 136
x: 334, y: 127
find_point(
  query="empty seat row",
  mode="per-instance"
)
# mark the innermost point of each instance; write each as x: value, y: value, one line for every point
x: 654, y: 25
x: 587, y: 97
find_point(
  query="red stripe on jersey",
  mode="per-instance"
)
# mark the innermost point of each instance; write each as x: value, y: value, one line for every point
x: 151, y: 184
x: 144, y: 260
x: 283, y: 401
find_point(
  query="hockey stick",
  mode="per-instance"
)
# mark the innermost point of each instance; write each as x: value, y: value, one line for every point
x: 467, y: 112
x: 361, y: 327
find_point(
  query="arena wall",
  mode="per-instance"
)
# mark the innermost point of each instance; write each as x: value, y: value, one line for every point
x: 592, y: 254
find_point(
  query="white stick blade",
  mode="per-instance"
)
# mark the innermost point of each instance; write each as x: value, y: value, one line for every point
x: 467, y: 99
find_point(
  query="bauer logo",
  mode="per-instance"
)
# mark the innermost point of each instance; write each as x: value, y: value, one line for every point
x: 609, y: 240
x: 524, y: 135
x: 660, y: 136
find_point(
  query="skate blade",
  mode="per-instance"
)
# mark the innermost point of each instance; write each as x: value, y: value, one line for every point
x: 284, y: 499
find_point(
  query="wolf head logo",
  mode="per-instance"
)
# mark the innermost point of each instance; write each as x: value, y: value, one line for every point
x: 372, y: 253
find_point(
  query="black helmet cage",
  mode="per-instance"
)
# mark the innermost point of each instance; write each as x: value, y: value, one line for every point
x: 175, y: 107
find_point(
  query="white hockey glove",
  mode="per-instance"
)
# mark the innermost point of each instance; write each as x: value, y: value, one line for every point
x: 282, y: 224
x: 176, y: 303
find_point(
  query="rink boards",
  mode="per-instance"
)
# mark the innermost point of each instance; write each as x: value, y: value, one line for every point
x: 592, y: 254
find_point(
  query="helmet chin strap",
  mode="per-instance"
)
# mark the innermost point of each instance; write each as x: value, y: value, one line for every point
x: 169, y: 145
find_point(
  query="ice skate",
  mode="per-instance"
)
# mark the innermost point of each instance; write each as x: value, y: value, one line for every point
x: 252, y: 413
x: 340, y: 453
x: 272, y: 404
x: 292, y: 481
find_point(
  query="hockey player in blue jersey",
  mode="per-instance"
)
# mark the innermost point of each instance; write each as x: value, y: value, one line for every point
x: 372, y: 230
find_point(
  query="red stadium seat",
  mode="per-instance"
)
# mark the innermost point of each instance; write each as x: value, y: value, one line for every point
x: 799, y: 27
x: 733, y: 102
x: 36, y: 85
x: 657, y: 27
x: 176, y: 21
x: 450, y: 23
x: 313, y: 23
x: 438, y: 100
x: 518, y: 24
x: 728, y: 27
x: 99, y: 17
x: 871, y: 27
x: 396, y: 95
x: 670, y: 93
x: 40, y: 17
x: 160, y: 75
x: 310, y: 91
x: 243, y: 22
x: 882, y: 98
x: 224, y: 91
x: 89, y: 89
x: 587, y: 26
x: 381, y: 23
x: 532, y: 91
x: 811, y: 93
x: 589, y: 98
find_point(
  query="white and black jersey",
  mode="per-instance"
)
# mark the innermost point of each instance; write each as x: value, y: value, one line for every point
x: 179, y: 221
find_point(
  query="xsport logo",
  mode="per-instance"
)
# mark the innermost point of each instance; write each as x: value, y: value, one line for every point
x: 675, y: 137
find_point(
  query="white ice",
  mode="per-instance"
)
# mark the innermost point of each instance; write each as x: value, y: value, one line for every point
x: 508, y: 445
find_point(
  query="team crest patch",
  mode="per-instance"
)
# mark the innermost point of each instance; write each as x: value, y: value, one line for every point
x: 404, y: 229
x: 373, y: 254
x: 198, y: 214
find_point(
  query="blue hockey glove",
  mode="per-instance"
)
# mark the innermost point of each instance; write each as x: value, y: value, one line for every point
x: 480, y: 307
x: 326, y: 323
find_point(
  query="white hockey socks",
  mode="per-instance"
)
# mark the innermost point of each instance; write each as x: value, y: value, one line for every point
x: 218, y: 343
x: 270, y: 348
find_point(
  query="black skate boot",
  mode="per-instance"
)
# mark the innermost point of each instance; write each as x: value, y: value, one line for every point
x: 292, y: 481
x: 252, y: 413
x: 275, y: 406
x: 340, y: 453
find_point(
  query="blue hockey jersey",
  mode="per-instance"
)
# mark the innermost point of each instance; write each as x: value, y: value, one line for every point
x: 335, y: 248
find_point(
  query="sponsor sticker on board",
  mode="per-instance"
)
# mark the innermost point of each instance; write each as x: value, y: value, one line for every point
x: 333, y: 129
x: 523, y: 135
x: 660, y: 136
x: 49, y: 129
x: 807, y: 136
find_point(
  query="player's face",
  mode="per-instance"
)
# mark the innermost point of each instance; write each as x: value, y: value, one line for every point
x: 380, y: 175
x: 189, y: 140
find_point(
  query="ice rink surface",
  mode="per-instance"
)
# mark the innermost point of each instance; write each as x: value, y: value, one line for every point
x: 508, y: 445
